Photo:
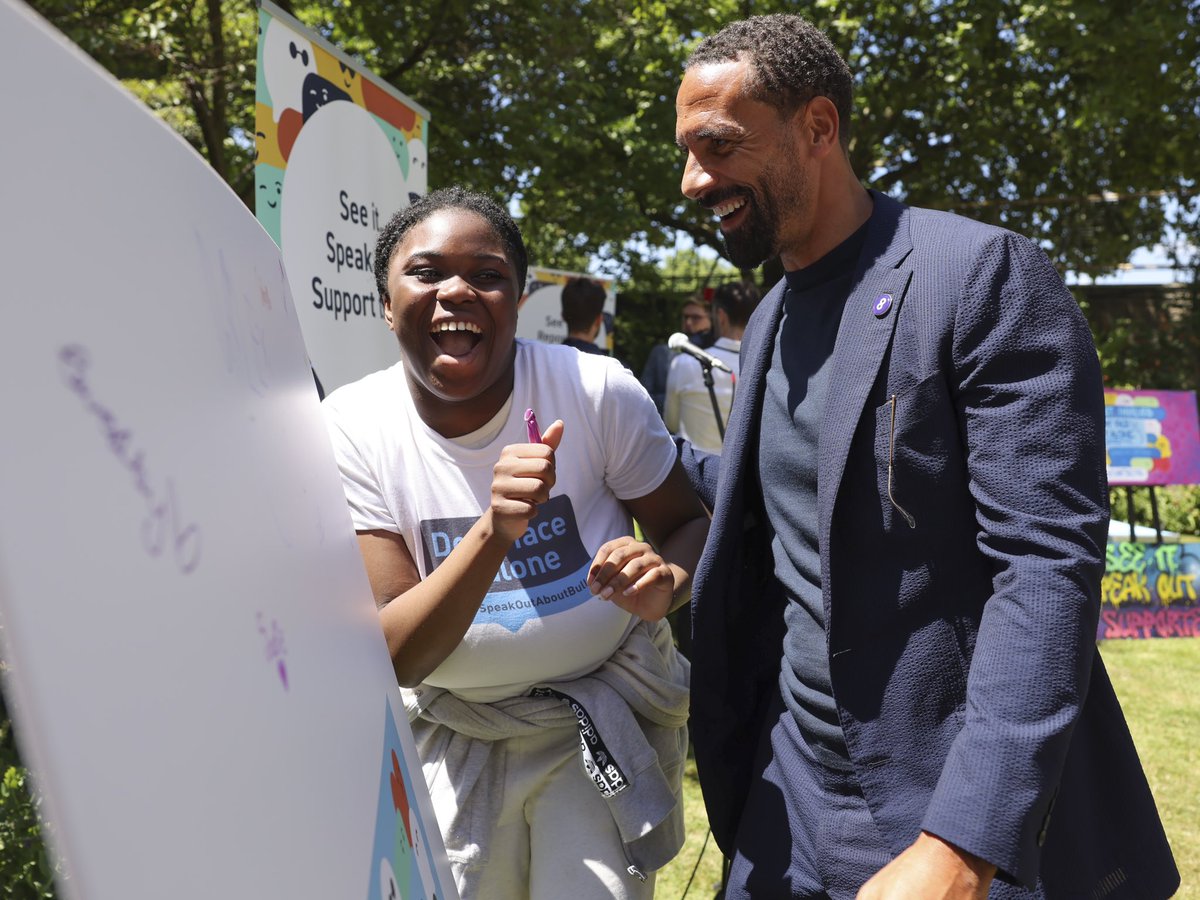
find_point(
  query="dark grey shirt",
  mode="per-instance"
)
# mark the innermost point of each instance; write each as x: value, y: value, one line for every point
x: 796, y: 387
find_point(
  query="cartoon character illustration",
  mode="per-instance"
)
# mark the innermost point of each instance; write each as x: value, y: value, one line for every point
x: 340, y: 75
x: 268, y: 197
x: 266, y: 138
x: 318, y: 92
x: 288, y: 59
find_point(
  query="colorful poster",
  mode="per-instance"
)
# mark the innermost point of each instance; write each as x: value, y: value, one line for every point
x: 192, y: 651
x: 338, y: 152
x: 1150, y: 590
x: 1152, y: 437
x: 404, y: 867
x: 540, y: 316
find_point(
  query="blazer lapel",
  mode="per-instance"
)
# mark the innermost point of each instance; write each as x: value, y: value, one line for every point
x: 864, y: 336
x: 739, y: 461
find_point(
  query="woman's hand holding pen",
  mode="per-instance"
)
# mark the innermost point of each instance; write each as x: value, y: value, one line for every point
x: 522, y: 479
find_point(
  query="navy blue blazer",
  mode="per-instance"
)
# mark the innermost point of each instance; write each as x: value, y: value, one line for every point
x: 963, y: 514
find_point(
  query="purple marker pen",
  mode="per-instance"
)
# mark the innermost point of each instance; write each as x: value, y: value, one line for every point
x: 531, y: 426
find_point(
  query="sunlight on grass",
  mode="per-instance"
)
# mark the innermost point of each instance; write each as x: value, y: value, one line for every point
x: 672, y: 880
x: 1157, y: 680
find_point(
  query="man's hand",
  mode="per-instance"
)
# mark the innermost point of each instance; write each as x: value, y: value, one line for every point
x: 632, y: 575
x: 931, y: 869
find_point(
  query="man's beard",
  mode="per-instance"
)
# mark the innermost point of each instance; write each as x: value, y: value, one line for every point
x: 753, y: 243
x: 758, y: 238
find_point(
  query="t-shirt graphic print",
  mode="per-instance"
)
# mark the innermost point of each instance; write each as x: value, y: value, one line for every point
x: 543, y: 573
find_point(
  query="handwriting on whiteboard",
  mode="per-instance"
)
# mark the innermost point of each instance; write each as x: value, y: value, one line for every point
x: 273, y: 646
x: 163, y: 528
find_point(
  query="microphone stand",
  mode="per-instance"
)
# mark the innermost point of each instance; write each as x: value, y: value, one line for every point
x: 707, y: 368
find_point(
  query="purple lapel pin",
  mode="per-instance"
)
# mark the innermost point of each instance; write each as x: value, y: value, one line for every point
x: 882, y: 304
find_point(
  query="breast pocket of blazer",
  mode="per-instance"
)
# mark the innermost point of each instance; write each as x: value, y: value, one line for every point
x: 917, y: 453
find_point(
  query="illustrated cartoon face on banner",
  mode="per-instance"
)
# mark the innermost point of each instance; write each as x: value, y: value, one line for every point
x: 342, y: 77
x: 268, y: 193
x: 288, y: 59
x: 318, y: 92
x: 266, y: 135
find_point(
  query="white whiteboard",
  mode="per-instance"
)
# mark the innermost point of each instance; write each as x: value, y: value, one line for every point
x: 198, y: 674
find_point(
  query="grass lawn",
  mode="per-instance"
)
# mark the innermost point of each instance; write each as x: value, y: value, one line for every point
x: 1158, y: 682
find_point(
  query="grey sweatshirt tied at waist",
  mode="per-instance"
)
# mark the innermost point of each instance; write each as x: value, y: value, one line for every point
x: 631, y: 714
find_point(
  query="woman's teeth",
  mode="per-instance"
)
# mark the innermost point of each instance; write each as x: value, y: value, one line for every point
x: 456, y: 326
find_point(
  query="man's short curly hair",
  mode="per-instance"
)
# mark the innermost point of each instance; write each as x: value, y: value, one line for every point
x: 450, y: 198
x: 791, y: 60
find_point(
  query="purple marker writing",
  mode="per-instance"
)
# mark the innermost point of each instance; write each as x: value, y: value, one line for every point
x: 531, y: 426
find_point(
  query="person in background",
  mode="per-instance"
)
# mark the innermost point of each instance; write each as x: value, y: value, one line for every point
x: 696, y: 323
x: 583, y: 311
x: 896, y: 691
x: 688, y: 407
x: 546, y: 698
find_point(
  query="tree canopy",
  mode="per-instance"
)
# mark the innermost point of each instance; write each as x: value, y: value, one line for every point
x: 1077, y: 124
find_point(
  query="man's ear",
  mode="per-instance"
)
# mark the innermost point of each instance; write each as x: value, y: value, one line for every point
x: 596, y: 324
x: 821, y: 124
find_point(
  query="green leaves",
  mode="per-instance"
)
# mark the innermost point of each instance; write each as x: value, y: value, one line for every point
x: 1076, y: 124
x: 26, y: 872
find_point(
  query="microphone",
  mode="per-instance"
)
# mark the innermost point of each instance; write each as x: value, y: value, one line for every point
x: 680, y: 344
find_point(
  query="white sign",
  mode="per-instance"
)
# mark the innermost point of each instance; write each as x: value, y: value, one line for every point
x: 338, y: 152
x: 196, y: 666
x: 540, y: 315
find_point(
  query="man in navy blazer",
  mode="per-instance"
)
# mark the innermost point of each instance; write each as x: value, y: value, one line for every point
x: 895, y: 684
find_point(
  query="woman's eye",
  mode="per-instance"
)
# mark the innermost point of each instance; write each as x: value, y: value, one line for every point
x: 425, y: 274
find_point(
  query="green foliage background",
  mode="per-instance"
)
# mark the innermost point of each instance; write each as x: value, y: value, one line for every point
x: 26, y: 870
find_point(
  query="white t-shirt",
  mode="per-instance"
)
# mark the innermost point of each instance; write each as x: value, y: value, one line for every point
x: 538, y: 622
x: 687, y: 405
